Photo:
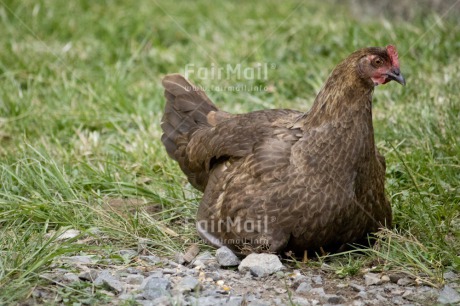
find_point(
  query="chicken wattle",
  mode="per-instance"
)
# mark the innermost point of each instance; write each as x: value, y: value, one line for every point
x: 283, y: 180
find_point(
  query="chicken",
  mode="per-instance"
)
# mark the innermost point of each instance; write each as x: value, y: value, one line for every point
x: 281, y: 180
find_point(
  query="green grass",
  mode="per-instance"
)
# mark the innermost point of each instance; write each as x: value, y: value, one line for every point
x: 81, y: 103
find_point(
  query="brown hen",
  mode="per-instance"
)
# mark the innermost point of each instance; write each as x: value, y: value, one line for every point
x: 282, y: 180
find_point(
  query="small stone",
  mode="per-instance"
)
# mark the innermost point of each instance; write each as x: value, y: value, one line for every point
x: 188, y: 284
x: 450, y: 275
x: 134, y: 279
x: 425, y: 293
x: 294, y: 274
x: 318, y: 291
x: 90, y: 275
x: 280, y: 275
x: 70, y: 277
x: 155, y: 287
x: 234, y: 301
x: 205, y: 300
x: 78, y: 259
x: 405, y: 281
x: 226, y: 289
x: 215, y: 276
x: 52, y: 277
x: 151, y: 259
x: 395, y: 277
x: 259, y: 303
x: 149, y: 303
x: 95, y: 231
x: 157, y: 273
x: 37, y: 293
x: 247, y: 276
x: 277, y: 301
x: 258, y: 271
x: 251, y: 297
x: 179, y: 258
x: 142, y: 245
x: 132, y: 270
x: 193, y: 272
x: 408, y: 295
x: 335, y: 299
x: 385, y: 278
x: 300, y: 301
x: 397, y: 291
x: 390, y: 286
x: 317, y: 279
x: 448, y: 295
x: 127, y: 253
x: 167, y: 300
x: 107, y: 279
x: 397, y: 300
x: 304, y: 287
x: 126, y: 296
x: 261, y: 264
x: 68, y: 234
x: 226, y: 258
x: 357, y: 287
x: 191, y: 253
x: 205, y: 256
x: 105, y: 292
x: 174, y: 264
x: 372, y: 279
x: 325, y: 267
x: 198, y: 264
x: 279, y: 290
x: 300, y: 279
x: 169, y: 271
x: 203, y: 260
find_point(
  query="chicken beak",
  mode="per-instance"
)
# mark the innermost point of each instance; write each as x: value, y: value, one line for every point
x: 396, y: 75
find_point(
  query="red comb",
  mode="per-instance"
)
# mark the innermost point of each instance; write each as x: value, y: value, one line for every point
x: 391, y: 50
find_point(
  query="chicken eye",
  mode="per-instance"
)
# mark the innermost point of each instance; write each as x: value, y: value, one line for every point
x: 378, y: 61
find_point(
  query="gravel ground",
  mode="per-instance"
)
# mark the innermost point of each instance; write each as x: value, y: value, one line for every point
x: 220, y: 278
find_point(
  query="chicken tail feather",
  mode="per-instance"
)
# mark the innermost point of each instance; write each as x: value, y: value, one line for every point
x: 187, y: 108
